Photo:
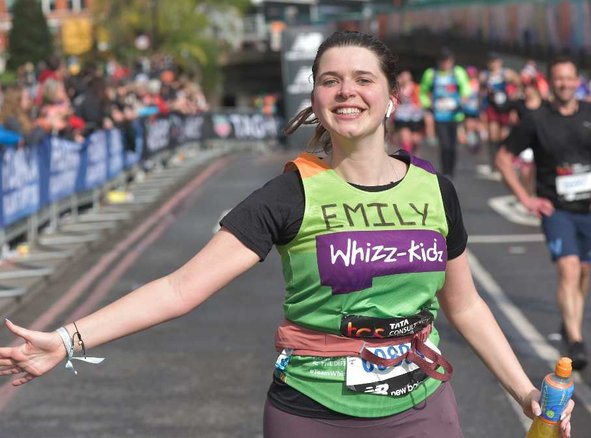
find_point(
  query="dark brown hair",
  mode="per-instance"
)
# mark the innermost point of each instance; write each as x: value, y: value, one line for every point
x: 562, y: 59
x: 388, y: 65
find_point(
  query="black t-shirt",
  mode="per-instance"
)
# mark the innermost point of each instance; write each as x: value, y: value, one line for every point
x: 562, y: 148
x: 521, y: 108
x: 272, y: 215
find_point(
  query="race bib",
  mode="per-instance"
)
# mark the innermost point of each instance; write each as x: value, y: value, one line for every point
x: 499, y: 98
x: 574, y: 187
x: 404, y: 113
x: 446, y: 104
x: 363, y: 376
x: 471, y: 105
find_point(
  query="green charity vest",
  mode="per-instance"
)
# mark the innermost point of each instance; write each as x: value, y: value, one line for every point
x: 357, y: 253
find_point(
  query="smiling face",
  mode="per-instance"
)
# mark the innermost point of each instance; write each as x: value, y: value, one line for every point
x: 564, y: 81
x: 351, y: 94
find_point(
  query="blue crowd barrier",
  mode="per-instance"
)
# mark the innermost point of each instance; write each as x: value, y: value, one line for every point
x: 35, y: 176
x: 20, y: 183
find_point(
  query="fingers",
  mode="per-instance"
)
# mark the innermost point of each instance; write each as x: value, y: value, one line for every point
x: 535, y: 407
x: 21, y: 332
x: 22, y: 380
x: 530, y: 404
x: 7, y: 371
x: 534, y: 207
x: 565, y: 426
x: 5, y: 358
x: 14, y: 369
x: 546, y: 207
x: 565, y: 430
x: 547, y: 211
x: 565, y: 418
x: 567, y: 413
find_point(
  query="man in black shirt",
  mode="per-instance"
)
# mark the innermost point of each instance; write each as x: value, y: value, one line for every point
x: 560, y: 135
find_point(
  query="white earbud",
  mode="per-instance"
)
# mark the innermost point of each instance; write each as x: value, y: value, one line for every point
x: 389, y: 109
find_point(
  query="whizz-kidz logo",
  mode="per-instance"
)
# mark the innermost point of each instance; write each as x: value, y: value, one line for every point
x: 349, y: 261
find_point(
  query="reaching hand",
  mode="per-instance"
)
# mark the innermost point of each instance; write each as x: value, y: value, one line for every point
x: 40, y: 353
x: 531, y: 408
x: 538, y: 206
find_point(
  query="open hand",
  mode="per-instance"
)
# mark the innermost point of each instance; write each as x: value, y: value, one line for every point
x: 40, y: 352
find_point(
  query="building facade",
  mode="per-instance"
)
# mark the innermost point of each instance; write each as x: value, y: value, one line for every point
x: 56, y: 11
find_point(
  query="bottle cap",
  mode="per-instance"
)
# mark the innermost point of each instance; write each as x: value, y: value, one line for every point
x: 564, y: 367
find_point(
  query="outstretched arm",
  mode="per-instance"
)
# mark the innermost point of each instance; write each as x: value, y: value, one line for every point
x: 471, y: 316
x: 219, y: 262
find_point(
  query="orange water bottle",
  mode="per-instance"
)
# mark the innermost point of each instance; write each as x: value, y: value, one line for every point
x: 557, y: 389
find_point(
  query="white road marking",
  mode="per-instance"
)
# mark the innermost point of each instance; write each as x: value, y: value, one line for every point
x: 528, y: 331
x: 484, y: 171
x: 508, y: 207
x: 506, y: 238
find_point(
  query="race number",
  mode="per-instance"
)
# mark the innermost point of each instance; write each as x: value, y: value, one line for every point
x: 363, y: 376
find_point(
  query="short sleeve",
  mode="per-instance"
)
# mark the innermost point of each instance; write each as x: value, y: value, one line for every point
x: 522, y: 135
x: 270, y: 215
x: 457, y: 237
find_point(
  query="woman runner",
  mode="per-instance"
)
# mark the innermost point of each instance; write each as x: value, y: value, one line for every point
x: 372, y: 246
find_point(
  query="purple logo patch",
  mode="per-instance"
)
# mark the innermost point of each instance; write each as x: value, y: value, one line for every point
x: 349, y: 261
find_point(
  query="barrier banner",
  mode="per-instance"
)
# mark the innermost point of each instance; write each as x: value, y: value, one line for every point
x: 59, y: 164
x: 116, y: 152
x: 176, y: 129
x: 192, y: 129
x: 241, y: 126
x: 33, y: 177
x: 133, y: 154
x: 94, y: 159
x: 157, y: 134
x: 19, y: 183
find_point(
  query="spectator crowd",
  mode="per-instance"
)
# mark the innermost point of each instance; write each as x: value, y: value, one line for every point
x: 73, y: 101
